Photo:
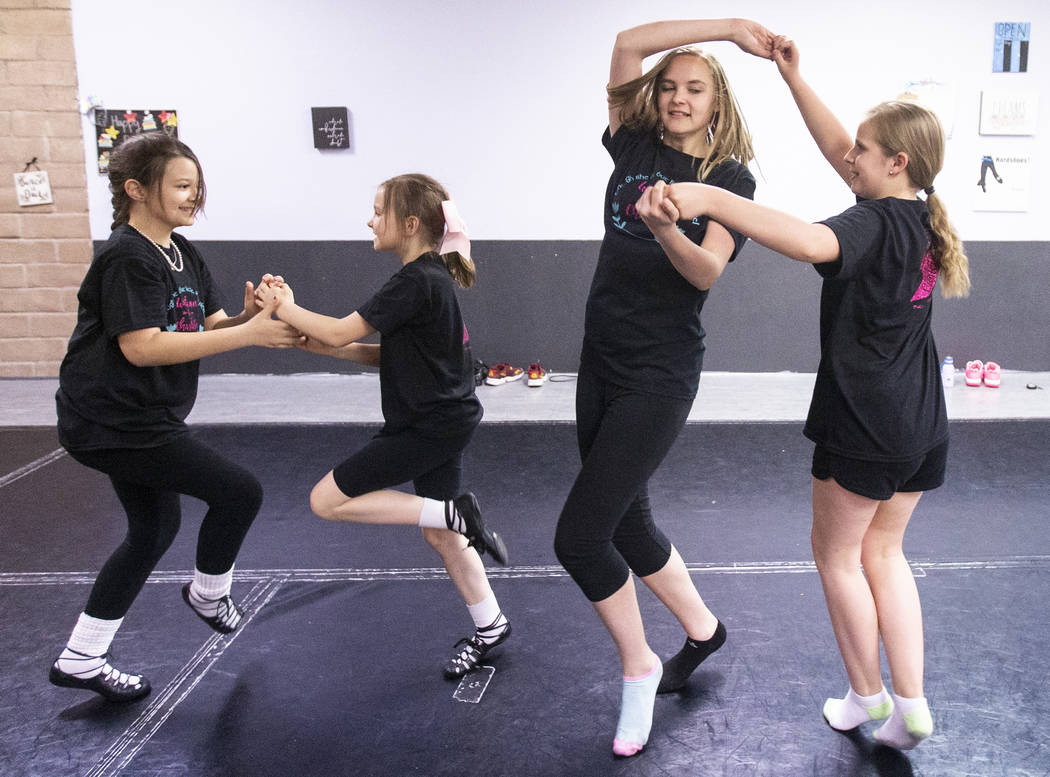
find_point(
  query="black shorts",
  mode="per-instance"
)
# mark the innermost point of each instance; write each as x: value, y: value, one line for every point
x: 433, y: 466
x: 882, y: 479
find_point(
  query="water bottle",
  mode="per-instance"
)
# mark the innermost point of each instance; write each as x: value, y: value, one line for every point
x: 948, y: 372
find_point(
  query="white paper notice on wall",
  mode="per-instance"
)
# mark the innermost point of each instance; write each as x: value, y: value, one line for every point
x: 937, y: 96
x: 1004, y: 181
x: 33, y: 188
x: 1013, y: 112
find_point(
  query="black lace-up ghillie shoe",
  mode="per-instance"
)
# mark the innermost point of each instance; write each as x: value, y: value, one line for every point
x: 226, y: 618
x: 468, y: 653
x: 478, y: 535
x: 110, y: 683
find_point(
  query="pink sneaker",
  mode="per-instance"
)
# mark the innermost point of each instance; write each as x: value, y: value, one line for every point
x: 974, y: 372
x: 992, y: 375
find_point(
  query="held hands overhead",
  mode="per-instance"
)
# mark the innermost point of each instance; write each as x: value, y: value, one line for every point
x: 785, y: 55
x: 755, y: 39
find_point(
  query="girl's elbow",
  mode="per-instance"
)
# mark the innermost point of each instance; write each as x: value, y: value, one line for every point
x: 136, y: 357
x: 817, y: 254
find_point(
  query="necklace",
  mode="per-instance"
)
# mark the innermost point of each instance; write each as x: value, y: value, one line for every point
x: 176, y: 265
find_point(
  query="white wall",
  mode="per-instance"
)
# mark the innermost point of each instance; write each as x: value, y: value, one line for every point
x: 504, y: 102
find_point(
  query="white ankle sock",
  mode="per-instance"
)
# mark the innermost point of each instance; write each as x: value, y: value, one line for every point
x: 852, y: 710
x: 909, y: 724
x: 87, y: 645
x: 488, y: 618
x: 432, y: 515
x: 207, y: 590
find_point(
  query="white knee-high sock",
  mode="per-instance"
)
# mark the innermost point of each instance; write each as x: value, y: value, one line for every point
x: 87, y: 646
x: 909, y: 724
x: 852, y: 710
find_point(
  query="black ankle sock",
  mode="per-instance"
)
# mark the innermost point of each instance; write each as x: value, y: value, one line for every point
x: 678, y: 668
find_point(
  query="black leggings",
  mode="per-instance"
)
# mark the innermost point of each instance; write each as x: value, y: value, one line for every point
x: 606, y: 528
x: 148, y: 482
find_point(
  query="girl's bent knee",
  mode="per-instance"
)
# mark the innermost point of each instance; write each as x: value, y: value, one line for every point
x: 443, y: 540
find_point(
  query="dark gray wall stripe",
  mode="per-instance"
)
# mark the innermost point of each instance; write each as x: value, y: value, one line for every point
x: 528, y: 303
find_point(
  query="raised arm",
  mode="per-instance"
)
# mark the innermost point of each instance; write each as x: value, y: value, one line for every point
x: 779, y: 231
x: 634, y: 45
x: 833, y: 139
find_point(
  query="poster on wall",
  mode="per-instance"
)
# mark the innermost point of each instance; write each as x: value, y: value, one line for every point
x: 33, y: 187
x: 331, y: 128
x: 939, y: 97
x: 1003, y: 180
x: 1010, y: 49
x: 113, y: 127
x: 1013, y: 112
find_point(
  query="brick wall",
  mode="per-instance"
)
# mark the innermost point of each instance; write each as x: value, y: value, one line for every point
x: 44, y: 249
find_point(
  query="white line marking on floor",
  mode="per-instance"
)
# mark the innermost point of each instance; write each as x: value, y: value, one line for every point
x: 350, y: 575
x: 32, y: 467
x: 474, y: 684
x: 138, y: 734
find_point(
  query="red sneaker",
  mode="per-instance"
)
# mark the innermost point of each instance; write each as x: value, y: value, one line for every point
x: 503, y: 373
x: 537, y: 375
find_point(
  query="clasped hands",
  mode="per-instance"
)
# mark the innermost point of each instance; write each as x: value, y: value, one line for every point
x: 260, y: 305
x: 662, y: 206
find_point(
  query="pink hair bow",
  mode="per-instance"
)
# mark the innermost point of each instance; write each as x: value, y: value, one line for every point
x: 455, y: 238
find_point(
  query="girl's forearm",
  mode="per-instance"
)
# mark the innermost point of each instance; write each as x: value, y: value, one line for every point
x: 698, y: 265
x: 325, y: 329
x: 156, y: 348
x: 774, y: 229
x: 647, y: 39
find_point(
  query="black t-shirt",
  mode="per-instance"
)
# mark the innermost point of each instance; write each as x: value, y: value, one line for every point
x: 425, y: 372
x: 642, y: 328
x: 103, y: 400
x: 878, y: 394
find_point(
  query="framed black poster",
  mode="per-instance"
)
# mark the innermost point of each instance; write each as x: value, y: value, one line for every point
x: 331, y: 128
x: 113, y: 127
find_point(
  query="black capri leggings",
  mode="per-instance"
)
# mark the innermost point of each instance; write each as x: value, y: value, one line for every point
x: 148, y: 482
x: 606, y: 527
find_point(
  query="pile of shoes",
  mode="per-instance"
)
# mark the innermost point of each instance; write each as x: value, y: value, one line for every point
x: 506, y: 373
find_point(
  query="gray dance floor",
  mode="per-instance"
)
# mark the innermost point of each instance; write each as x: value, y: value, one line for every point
x: 337, y: 669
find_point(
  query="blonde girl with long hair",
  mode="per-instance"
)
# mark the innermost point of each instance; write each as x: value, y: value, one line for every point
x: 878, y: 415
x: 643, y: 342
x: 429, y: 406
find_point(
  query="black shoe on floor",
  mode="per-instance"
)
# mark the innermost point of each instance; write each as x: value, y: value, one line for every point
x: 468, y: 652
x: 110, y: 683
x: 474, y: 529
x: 226, y: 618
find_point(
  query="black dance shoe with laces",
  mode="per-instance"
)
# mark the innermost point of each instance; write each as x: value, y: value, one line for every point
x: 478, y: 535
x: 468, y: 653
x: 110, y: 683
x: 227, y: 616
